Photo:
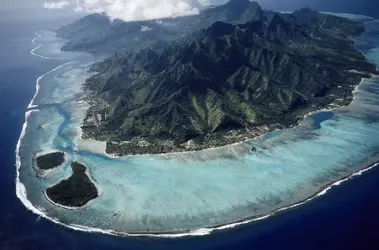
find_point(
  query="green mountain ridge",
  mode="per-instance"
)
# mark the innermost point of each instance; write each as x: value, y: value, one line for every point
x: 225, y: 83
x: 97, y: 33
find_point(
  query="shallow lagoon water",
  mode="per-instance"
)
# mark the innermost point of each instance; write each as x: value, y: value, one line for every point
x: 180, y: 192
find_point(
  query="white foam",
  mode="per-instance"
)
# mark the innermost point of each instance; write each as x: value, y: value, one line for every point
x: 38, y: 36
x: 38, y: 47
x: 23, y: 131
x: 39, y: 78
x: 20, y: 188
x: 41, y: 56
x: 348, y: 15
x: 38, y: 81
x: 22, y: 195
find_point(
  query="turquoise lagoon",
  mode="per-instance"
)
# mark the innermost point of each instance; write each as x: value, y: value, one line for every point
x: 195, y: 192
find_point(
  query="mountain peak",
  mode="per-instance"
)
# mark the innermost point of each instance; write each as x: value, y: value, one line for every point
x: 241, y: 74
x: 276, y: 19
x: 220, y: 29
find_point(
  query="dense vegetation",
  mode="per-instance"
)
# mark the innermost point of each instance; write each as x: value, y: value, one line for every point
x: 96, y: 32
x: 50, y: 161
x: 76, y: 191
x: 250, y: 72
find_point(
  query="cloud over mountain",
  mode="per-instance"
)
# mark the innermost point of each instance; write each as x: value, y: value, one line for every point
x: 131, y: 10
x: 56, y: 5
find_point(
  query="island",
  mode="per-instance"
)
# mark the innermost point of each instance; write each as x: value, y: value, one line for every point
x: 232, y: 74
x: 97, y: 33
x: 49, y: 161
x: 224, y: 84
x: 74, y: 192
x: 228, y: 78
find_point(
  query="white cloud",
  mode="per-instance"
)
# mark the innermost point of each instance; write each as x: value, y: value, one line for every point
x: 132, y: 10
x: 145, y: 28
x: 160, y: 22
x: 207, y: 2
x: 56, y: 5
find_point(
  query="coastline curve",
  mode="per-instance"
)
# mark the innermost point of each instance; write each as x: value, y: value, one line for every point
x: 22, y: 194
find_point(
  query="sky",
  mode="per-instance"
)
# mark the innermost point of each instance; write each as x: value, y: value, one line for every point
x: 13, y: 4
x: 129, y: 10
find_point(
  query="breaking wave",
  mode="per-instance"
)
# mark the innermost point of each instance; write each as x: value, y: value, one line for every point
x: 21, y: 191
x: 33, y: 51
x: 38, y: 85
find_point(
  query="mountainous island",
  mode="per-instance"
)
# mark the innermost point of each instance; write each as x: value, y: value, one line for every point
x: 230, y: 74
x: 97, y: 33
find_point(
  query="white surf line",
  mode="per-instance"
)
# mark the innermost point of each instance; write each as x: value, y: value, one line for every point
x: 38, y: 85
x: 38, y: 47
x: 338, y: 14
x: 319, y: 194
x: 22, y: 195
x: 44, y: 57
x: 38, y: 36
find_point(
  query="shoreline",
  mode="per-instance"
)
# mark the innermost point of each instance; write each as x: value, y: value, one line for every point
x: 115, y: 156
x: 38, y: 36
x: 32, y: 52
x: 59, y: 205
x: 42, y: 173
x: 22, y: 193
x: 331, y: 107
x: 31, y: 105
x: 43, y: 57
x: 70, y: 207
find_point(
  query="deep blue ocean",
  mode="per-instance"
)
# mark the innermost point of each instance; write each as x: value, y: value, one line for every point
x: 345, y: 218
